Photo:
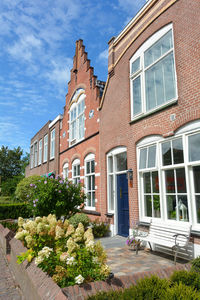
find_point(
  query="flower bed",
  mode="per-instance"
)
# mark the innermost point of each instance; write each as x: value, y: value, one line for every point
x: 68, y: 255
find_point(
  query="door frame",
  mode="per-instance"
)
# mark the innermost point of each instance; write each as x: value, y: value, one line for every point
x: 113, y: 153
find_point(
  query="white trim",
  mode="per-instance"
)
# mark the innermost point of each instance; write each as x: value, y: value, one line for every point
x: 90, y: 156
x: 59, y: 117
x: 76, y: 161
x: 149, y: 140
x: 194, y: 125
x: 132, y: 20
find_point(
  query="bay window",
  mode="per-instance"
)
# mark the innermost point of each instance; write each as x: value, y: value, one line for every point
x: 169, y: 178
x: 152, y: 73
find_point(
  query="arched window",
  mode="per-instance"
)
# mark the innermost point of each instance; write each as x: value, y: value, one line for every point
x: 90, y: 180
x: 65, y: 170
x: 76, y: 171
x: 77, y: 118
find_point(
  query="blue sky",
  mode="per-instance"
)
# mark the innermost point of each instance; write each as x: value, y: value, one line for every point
x: 37, y: 45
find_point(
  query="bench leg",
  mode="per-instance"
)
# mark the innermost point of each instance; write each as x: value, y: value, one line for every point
x: 150, y: 246
x: 175, y: 254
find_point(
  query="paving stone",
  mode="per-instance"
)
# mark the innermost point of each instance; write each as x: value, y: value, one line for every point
x: 8, y: 287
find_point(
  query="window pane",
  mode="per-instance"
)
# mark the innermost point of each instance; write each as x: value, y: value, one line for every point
x: 92, y: 166
x: 171, y: 207
x: 110, y: 164
x: 89, y: 199
x: 166, y: 154
x: 198, y: 208
x: 88, y: 167
x: 169, y: 77
x: 183, y: 208
x: 143, y: 158
x: 177, y: 148
x: 194, y: 146
x: 78, y: 169
x: 180, y: 178
x: 74, y: 171
x: 147, y: 183
x: 135, y: 65
x: 155, y: 182
x: 163, y: 45
x: 169, y: 181
x: 89, y: 183
x: 196, y: 174
x: 121, y: 161
x: 150, y: 89
x: 93, y: 182
x: 156, y: 206
x: 93, y: 199
x: 111, y: 194
x: 148, y: 206
x: 137, y: 103
x: 151, y: 157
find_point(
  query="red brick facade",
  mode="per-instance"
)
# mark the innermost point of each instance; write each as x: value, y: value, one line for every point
x: 82, y: 77
x: 116, y: 126
x: 50, y: 164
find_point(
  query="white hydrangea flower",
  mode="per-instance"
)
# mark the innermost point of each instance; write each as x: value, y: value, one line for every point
x: 20, y: 221
x: 79, y: 279
x: 71, y: 261
x: 64, y: 256
x: 39, y: 260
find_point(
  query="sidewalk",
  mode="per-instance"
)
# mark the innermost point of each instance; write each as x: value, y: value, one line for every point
x: 8, y: 288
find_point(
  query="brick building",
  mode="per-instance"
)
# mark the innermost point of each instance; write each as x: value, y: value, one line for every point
x: 150, y: 120
x: 79, y: 136
x: 44, y: 149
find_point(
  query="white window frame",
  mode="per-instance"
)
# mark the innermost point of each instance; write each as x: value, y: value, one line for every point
x: 52, y: 144
x: 88, y: 176
x: 40, y: 152
x: 35, y: 154
x: 45, y: 154
x: 183, y: 133
x: 74, y: 106
x: 141, y: 72
x: 31, y: 157
x: 66, y: 171
x: 75, y: 164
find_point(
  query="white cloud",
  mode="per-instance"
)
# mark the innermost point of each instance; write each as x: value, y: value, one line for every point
x: 104, y: 55
x: 24, y: 47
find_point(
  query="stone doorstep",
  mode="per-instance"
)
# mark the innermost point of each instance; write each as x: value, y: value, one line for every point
x: 51, y: 291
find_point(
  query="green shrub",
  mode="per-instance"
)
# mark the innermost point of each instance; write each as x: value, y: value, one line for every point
x: 196, y: 264
x: 5, y: 199
x: 8, y: 187
x: 181, y: 292
x: 79, y: 218
x: 191, y: 278
x: 10, y: 225
x: 112, y: 295
x: 14, y: 210
x: 23, y: 190
x: 67, y: 254
x: 99, y: 228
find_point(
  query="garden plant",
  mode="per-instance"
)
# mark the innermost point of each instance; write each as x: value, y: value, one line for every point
x: 67, y: 254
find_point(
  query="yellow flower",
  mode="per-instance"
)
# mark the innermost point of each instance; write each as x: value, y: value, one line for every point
x: 20, y: 221
x: 59, y: 232
x: 70, y: 230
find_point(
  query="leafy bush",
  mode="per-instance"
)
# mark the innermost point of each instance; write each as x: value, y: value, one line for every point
x: 79, y: 218
x: 151, y: 288
x: 5, y: 199
x: 47, y: 195
x: 99, y: 228
x: 8, y: 187
x: 23, y: 190
x: 67, y: 254
x: 10, y: 225
x: 181, y: 292
x: 191, y: 278
x: 196, y: 264
x: 14, y: 210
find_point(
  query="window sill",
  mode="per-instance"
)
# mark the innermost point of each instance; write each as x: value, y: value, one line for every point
x: 158, y: 109
x: 109, y: 215
x: 52, y: 158
x: 91, y: 212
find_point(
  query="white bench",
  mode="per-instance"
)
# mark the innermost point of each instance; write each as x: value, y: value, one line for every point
x: 169, y: 236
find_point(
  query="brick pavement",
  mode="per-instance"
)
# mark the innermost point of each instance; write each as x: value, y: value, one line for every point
x: 124, y: 261
x: 8, y: 288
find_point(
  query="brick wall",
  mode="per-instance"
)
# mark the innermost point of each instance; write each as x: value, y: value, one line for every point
x: 115, y: 115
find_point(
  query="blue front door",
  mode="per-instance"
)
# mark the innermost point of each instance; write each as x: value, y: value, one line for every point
x: 122, y: 205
